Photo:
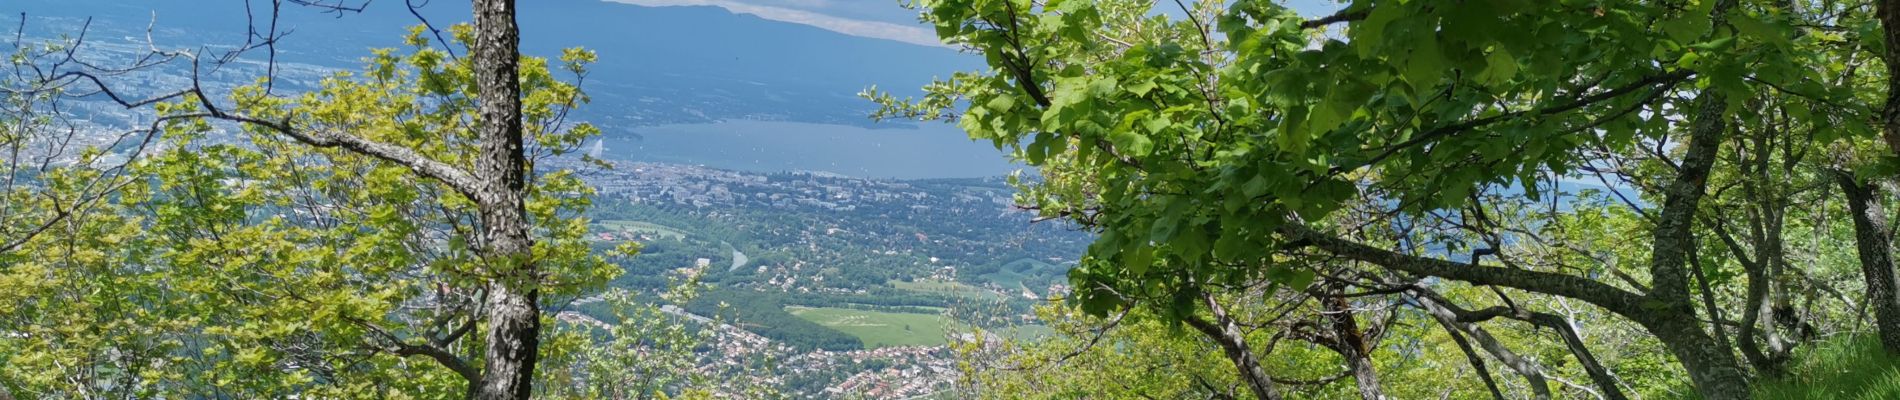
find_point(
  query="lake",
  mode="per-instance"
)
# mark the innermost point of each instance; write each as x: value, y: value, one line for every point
x: 932, y: 150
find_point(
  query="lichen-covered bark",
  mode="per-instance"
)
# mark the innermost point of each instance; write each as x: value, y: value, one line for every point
x: 1880, y: 284
x: 1876, y: 257
x: 1668, y: 310
x: 1352, y: 344
x: 514, y: 317
x: 1233, y: 342
x: 1888, y: 11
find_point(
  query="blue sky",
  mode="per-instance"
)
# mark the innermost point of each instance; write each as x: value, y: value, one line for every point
x: 884, y: 19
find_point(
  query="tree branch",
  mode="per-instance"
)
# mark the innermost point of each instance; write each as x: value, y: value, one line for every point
x: 1341, y: 16
x: 1660, y: 80
x: 1611, y: 298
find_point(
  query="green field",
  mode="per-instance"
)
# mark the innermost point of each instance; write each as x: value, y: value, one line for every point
x: 958, y: 289
x: 875, y: 306
x: 640, y: 226
x: 876, y: 328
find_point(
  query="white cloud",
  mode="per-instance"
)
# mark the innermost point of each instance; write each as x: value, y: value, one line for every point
x: 855, y: 27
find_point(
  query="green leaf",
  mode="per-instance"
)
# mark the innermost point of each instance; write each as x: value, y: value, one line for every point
x: 1426, y: 65
x: 1164, y: 229
x: 1002, y: 103
x: 1717, y: 44
x: 1325, y: 116
x: 1256, y: 186
x: 1301, y: 279
x: 1190, y: 244
x: 1038, y: 150
x: 1499, y: 67
x: 1292, y: 135
x: 1230, y: 245
x: 1142, y: 88
x: 1292, y: 278
x: 1688, y: 28
x: 1158, y: 125
x: 1761, y: 30
x: 1137, y: 259
x: 1130, y: 143
x: 1368, y: 34
x: 1688, y: 60
x: 1098, y: 299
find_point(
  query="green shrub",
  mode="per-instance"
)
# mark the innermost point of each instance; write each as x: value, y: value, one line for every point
x: 1844, y: 368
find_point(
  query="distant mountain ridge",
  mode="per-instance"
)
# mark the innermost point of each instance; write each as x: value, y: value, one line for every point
x: 657, y: 64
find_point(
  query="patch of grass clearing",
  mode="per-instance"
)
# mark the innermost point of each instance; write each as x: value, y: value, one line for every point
x: 878, y: 328
x: 958, y: 289
x: 641, y: 227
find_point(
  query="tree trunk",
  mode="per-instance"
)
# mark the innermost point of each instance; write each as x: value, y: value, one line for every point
x: 514, y: 317
x: 1233, y: 342
x: 1602, y: 376
x: 514, y: 328
x: 1766, y: 213
x: 1880, y: 284
x: 1235, y: 346
x: 1669, y: 312
x: 1477, y: 362
x: 1768, y: 362
x: 1876, y: 256
x: 1708, y: 301
x: 1532, y: 371
x: 1365, y: 377
x: 1350, y: 342
x: 1713, y: 368
x: 1888, y: 11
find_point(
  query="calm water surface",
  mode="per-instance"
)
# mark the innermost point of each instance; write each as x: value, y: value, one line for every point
x: 932, y: 150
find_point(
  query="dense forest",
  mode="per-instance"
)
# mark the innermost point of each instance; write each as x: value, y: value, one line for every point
x: 1507, y: 199
x: 1610, y: 199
